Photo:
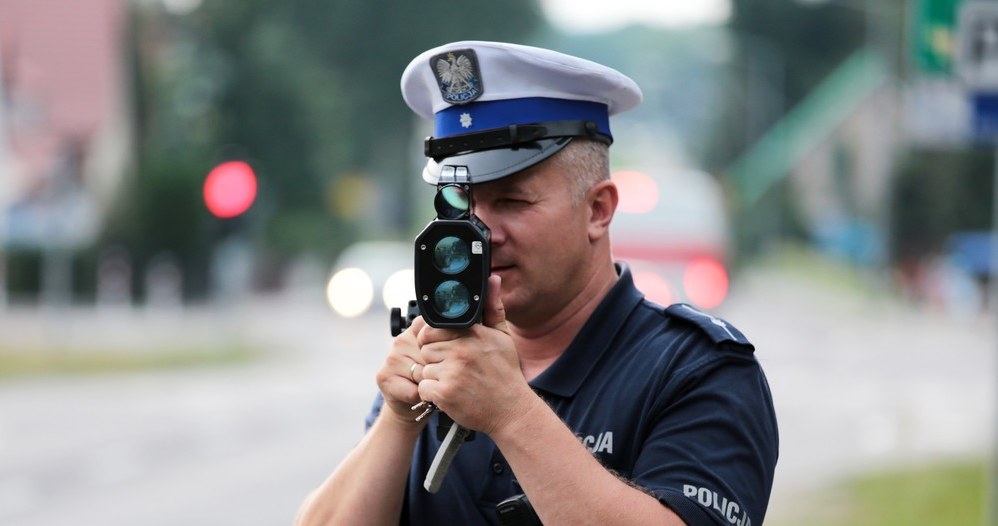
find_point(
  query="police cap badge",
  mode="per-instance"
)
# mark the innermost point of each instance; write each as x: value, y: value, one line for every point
x: 457, y: 74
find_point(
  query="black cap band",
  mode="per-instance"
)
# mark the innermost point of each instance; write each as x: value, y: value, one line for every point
x: 511, y: 136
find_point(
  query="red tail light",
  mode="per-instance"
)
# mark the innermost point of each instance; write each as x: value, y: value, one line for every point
x: 655, y: 288
x: 706, y: 282
x: 638, y: 192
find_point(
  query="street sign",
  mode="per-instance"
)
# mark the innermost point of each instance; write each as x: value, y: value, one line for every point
x: 934, y: 36
x: 984, y: 120
x: 977, y: 64
x: 977, y: 48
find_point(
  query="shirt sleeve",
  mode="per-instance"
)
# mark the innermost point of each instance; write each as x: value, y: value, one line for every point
x: 375, y: 411
x: 711, y: 451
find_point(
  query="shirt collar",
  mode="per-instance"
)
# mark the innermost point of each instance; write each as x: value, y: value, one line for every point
x: 565, y: 376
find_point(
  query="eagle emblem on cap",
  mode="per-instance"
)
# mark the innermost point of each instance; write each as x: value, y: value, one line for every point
x: 458, y: 76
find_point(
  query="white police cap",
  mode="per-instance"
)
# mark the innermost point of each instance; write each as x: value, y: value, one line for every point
x: 499, y: 108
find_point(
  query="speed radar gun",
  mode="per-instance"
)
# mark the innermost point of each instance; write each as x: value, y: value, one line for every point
x: 452, y: 259
x: 452, y: 268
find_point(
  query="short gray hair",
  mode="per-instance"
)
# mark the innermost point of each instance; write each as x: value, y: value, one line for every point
x: 585, y: 163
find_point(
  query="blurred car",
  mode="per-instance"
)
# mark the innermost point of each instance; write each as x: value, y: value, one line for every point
x: 671, y: 228
x: 371, y: 275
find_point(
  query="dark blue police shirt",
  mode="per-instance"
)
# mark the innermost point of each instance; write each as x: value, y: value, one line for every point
x: 671, y: 399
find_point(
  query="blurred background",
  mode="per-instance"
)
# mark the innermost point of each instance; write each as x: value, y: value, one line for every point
x: 207, y: 207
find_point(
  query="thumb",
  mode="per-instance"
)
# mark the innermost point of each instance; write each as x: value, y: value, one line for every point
x: 495, y: 313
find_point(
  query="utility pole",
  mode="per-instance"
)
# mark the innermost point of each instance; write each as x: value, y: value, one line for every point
x: 4, y: 181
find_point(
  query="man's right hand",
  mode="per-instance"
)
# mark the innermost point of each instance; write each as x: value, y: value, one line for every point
x: 398, y: 378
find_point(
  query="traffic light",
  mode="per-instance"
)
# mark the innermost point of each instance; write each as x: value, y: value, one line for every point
x: 230, y: 189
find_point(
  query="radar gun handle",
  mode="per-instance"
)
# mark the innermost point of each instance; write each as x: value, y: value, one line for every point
x: 445, y: 455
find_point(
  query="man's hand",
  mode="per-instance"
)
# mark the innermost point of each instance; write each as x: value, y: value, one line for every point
x: 474, y: 374
x: 396, y: 377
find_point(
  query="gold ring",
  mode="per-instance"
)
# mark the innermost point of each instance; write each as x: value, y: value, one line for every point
x: 412, y: 371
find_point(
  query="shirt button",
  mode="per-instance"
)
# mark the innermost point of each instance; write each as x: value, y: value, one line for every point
x: 498, y: 468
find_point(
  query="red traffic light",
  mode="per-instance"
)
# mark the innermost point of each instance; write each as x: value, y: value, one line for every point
x: 230, y: 189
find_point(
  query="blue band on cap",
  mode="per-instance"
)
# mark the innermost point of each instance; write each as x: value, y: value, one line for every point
x: 486, y: 115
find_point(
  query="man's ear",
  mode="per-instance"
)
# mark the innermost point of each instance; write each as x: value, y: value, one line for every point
x: 602, y: 200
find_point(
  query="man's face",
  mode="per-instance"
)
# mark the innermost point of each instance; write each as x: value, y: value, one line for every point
x: 540, y: 241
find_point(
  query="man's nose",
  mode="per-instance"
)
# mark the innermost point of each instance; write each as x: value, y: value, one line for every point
x: 498, y: 234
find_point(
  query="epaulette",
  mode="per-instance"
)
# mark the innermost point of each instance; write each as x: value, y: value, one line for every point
x: 719, y: 330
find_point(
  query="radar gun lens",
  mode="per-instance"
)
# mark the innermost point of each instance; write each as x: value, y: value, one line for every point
x: 452, y: 299
x: 451, y: 255
x: 452, y: 202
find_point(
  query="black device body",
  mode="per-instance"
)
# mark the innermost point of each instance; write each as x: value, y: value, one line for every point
x: 517, y: 511
x: 452, y: 262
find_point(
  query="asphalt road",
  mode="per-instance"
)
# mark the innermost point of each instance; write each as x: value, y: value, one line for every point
x: 860, y: 383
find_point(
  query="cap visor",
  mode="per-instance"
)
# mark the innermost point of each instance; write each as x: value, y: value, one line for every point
x: 489, y: 165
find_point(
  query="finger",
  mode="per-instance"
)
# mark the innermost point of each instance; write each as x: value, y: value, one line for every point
x: 404, y: 350
x: 438, y: 352
x: 428, y: 335
x: 430, y: 372
x: 427, y: 390
x: 407, y: 392
x: 408, y: 339
x: 417, y: 371
x: 402, y: 359
x: 417, y: 325
x: 394, y: 387
x: 495, y: 312
x: 402, y: 355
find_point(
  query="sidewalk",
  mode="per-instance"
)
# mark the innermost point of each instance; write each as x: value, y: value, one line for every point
x: 862, y: 382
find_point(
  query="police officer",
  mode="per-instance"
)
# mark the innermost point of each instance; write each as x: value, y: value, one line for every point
x: 599, y: 406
